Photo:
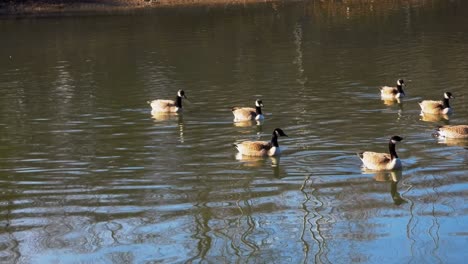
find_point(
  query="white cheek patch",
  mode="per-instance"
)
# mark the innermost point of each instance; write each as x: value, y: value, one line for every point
x: 394, y: 141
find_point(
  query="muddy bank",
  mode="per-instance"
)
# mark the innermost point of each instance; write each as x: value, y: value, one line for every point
x: 44, y: 7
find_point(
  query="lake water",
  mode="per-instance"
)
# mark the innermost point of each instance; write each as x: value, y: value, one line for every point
x: 88, y: 175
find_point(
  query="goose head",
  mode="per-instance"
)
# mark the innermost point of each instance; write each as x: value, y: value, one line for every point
x: 181, y: 94
x: 396, y: 139
x: 258, y: 103
x: 279, y: 132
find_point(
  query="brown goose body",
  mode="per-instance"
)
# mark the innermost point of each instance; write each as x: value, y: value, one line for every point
x: 379, y: 161
x: 453, y: 131
x: 437, y: 107
x: 389, y: 92
x: 168, y: 106
x: 382, y: 161
x: 243, y: 113
x: 248, y: 113
x: 261, y: 148
x: 256, y: 148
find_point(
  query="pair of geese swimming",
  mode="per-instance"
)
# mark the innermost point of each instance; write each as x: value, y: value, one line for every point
x: 371, y: 160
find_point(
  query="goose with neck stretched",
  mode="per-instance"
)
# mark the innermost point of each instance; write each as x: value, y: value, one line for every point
x: 248, y: 113
x: 437, y: 107
x: 168, y: 106
x: 262, y: 148
x: 388, y: 92
x: 382, y: 161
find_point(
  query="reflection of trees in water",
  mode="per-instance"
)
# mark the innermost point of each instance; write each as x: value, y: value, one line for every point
x: 311, y: 205
x: 9, y: 243
x: 202, y: 215
x: 424, y: 224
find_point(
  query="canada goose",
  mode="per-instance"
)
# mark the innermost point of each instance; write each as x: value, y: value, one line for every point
x: 382, y: 161
x: 261, y: 148
x: 452, y: 131
x: 437, y: 107
x: 248, y: 113
x: 388, y: 92
x: 168, y: 106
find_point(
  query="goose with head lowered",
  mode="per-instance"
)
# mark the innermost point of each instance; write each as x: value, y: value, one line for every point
x: 168, y: 106
x: 437, y: 107
x: 248, y: 113
x: 382, y: 161
x: 452, y: 131
x: 262, y: 148
x: 389, y: 92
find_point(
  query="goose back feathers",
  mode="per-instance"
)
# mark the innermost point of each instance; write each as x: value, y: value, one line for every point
x: 248, y: 113
x: 261, y: 148
x: 382, y: 161
x: 168, y: 106
x: 452, y: 131
x: 437, y: 107
x: 388, y: 92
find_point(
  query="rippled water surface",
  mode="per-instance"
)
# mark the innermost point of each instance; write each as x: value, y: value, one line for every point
x: 88, y: 175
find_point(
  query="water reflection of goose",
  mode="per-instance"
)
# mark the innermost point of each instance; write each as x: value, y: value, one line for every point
x: 256, y: 161
x: 261, y: 148
x: 437, y: 107
x: 248, y: 123
x: 387, y: 92
x: 455, y: 142
x: 168, y: 106
x: 391, y: 101
x: 160, y: 117
x: 393, y: 177
x: 248, y: 113
x: 433, y: 118
x: 382, y: 161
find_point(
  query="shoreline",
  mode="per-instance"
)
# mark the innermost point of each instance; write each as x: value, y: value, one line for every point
x: 61, y: 7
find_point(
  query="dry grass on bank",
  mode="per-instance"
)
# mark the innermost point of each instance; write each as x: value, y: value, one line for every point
x: 20, y: 7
